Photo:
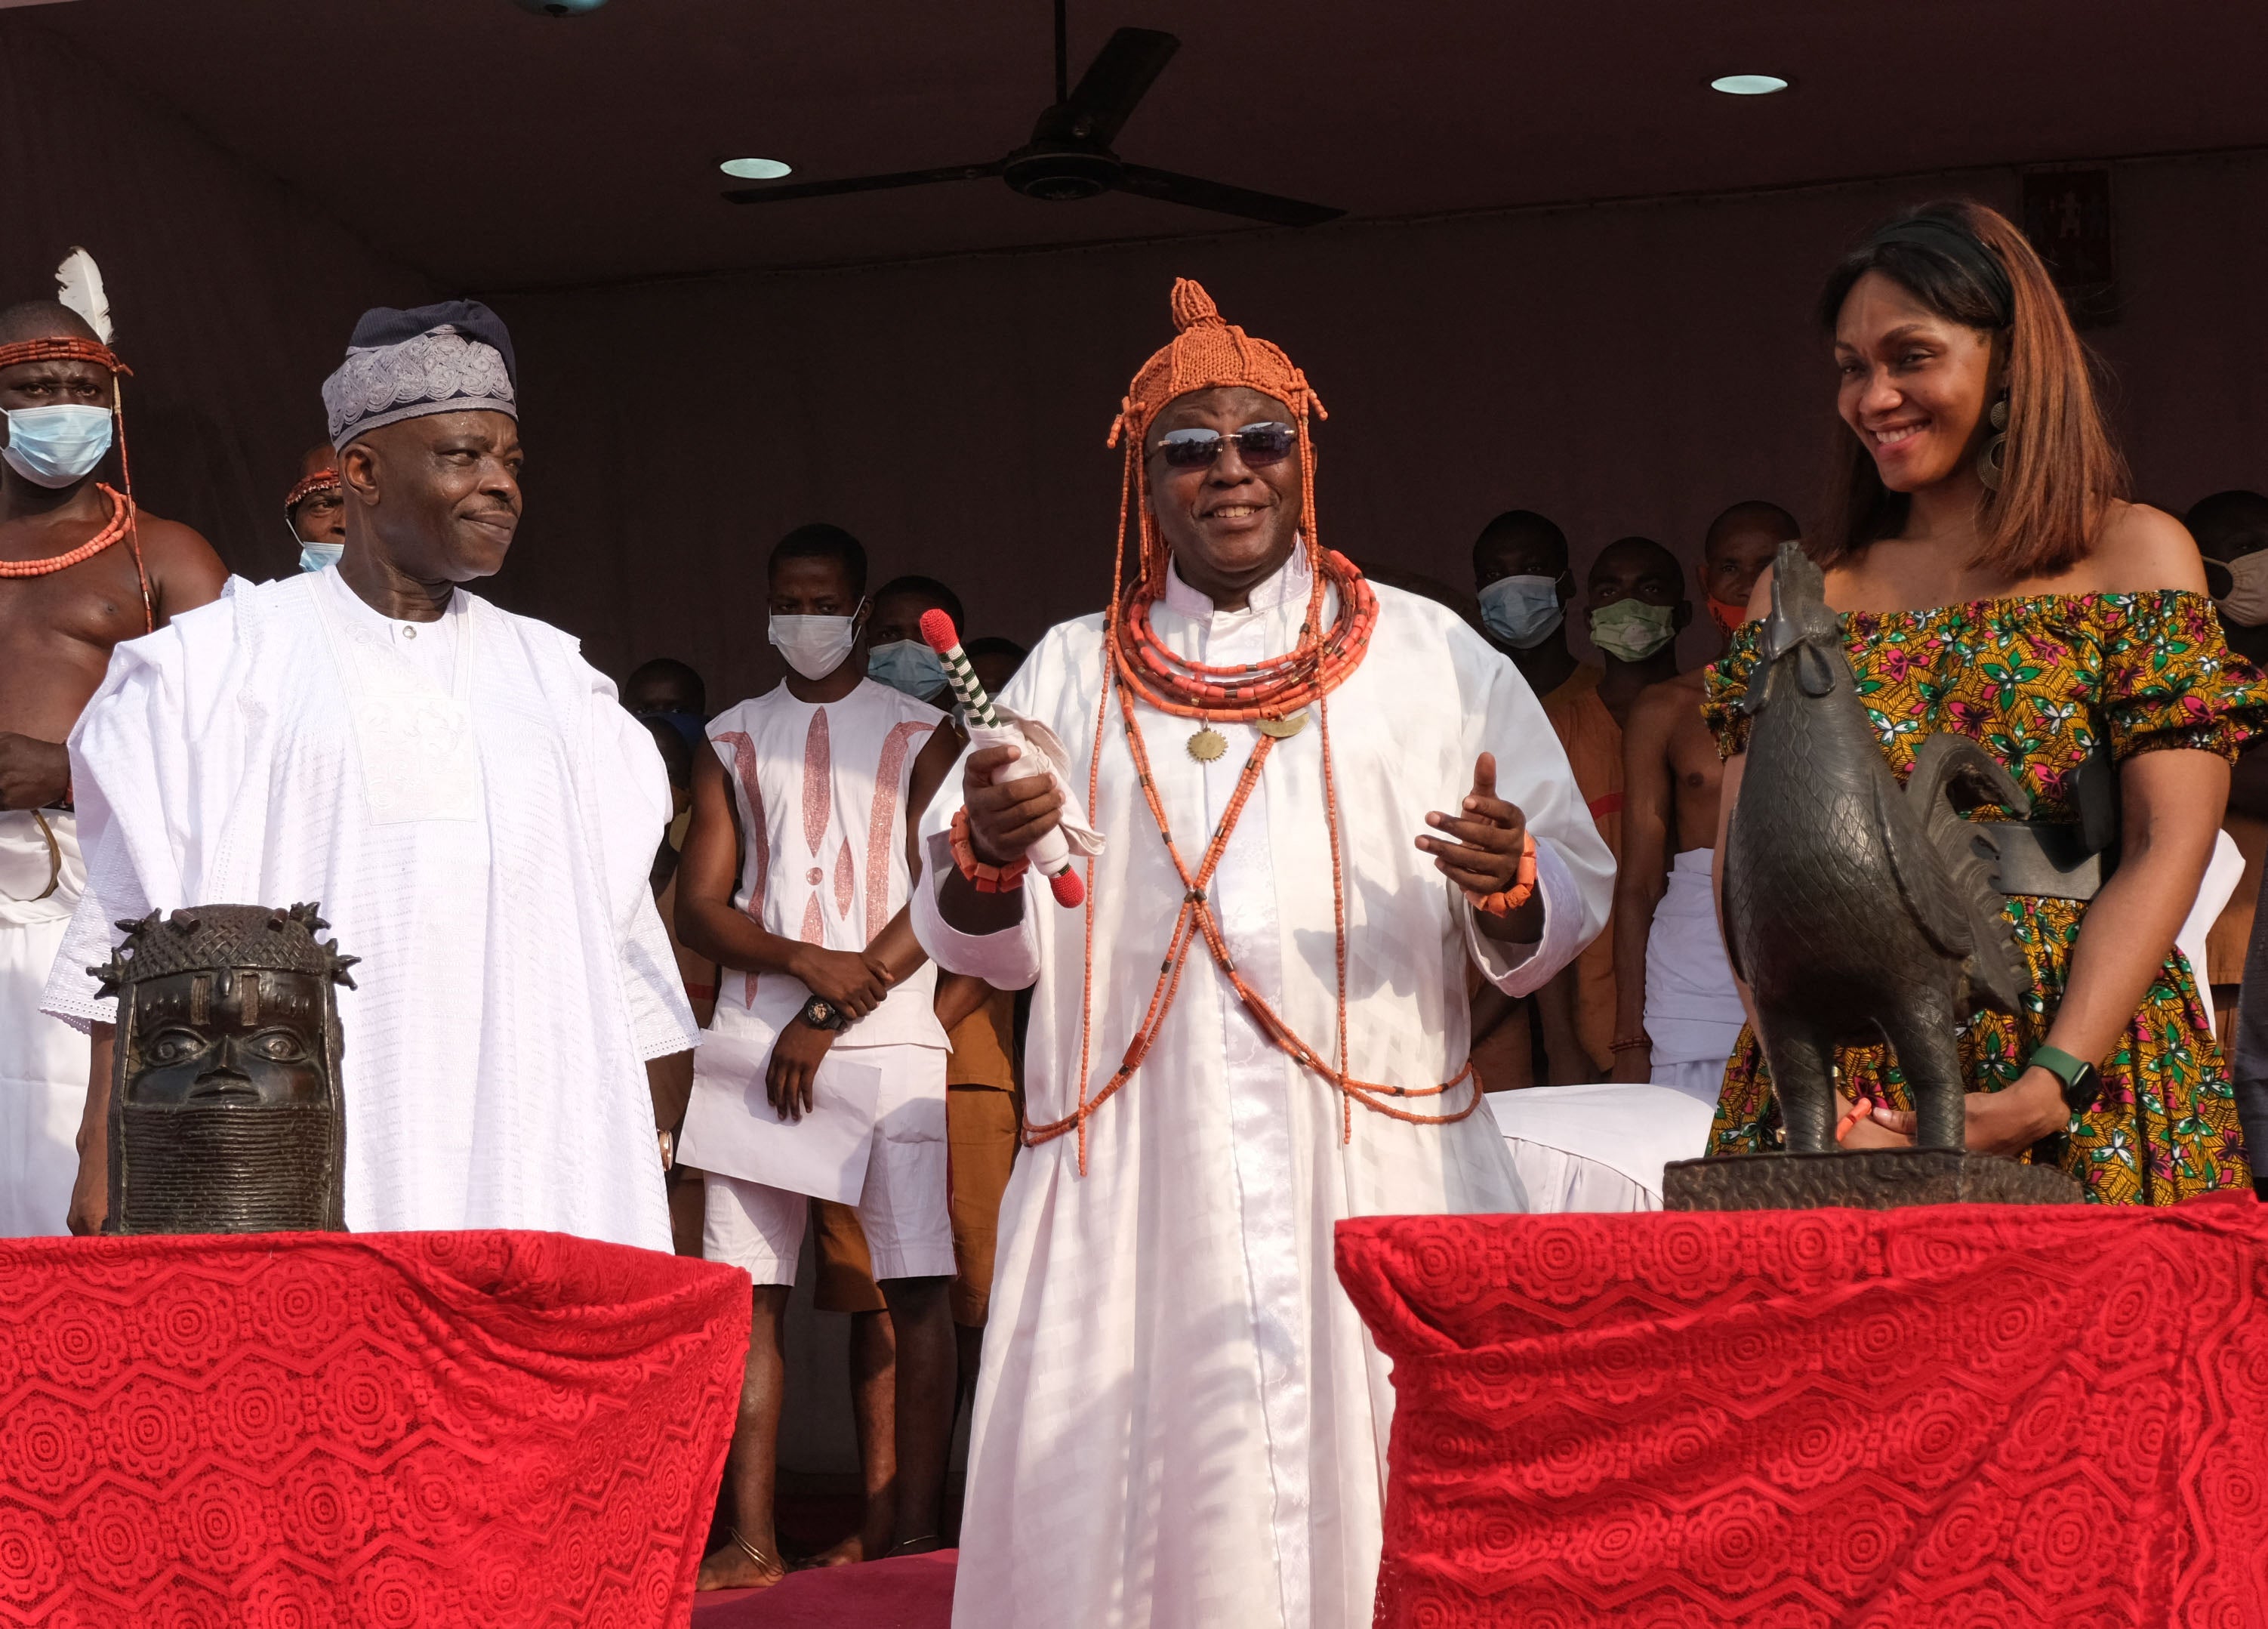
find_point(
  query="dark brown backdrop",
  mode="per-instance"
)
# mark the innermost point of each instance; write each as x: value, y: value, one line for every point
x: 1628, y: 367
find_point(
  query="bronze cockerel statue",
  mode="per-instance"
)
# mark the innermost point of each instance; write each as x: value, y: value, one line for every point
x: 1855, y: 909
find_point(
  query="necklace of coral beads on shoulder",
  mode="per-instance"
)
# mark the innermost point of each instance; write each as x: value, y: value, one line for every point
x: 1273, y: 694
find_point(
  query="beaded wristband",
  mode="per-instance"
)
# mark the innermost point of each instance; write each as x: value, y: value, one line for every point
x: 983, y: 878
x: 1511, y: 899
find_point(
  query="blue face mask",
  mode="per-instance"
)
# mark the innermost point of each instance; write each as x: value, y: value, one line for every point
x: 689, y: 725
x: 52, y: 447
x: 907, y: 665
x: 315, y: 556
x: 1522, y: 611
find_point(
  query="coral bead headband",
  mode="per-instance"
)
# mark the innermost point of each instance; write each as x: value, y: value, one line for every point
x: 62, y: 349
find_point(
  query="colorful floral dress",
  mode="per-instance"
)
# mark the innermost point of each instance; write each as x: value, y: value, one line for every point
x: 2038, y: 683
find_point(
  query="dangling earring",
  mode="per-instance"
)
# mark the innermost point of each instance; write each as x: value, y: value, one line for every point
x: 1993, y: 457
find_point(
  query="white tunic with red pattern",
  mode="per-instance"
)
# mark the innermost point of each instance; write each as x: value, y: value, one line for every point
x: 821, y: 791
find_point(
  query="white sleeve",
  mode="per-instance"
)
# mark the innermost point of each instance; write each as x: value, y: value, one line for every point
x: 1007, y: 960
x: 632, y: 788
x: 128, y: 741
x: 661, y: 1018
x: 1514, y: 967
x: 1574, y: 868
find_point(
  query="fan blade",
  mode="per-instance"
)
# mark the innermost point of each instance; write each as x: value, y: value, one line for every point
x: 1120, y: 76
x: 1167, y: 187
x: 861, y: 183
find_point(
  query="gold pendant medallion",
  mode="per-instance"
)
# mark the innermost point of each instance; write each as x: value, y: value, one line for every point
x: 1284, y: 729
x: 1207, y: 744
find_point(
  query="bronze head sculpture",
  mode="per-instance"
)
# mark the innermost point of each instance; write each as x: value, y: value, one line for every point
x: 226, y: 1107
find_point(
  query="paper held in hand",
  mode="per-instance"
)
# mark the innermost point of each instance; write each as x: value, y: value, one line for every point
x: 730, y: 1127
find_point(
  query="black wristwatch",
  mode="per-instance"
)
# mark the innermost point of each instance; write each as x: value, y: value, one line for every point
x: 2082, y: 1084
x: 820, y: 1014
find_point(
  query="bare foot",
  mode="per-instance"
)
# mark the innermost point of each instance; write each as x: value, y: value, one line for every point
x: 849, y: 1553
x: 735, y: 1565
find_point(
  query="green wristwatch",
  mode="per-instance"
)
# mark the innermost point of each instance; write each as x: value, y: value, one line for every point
x: 2081, y: 1084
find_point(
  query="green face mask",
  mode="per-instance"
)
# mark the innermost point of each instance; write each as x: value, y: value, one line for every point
x: 1631, y: 630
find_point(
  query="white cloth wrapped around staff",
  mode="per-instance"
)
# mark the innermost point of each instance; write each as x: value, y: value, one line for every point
x: 1037, y: 748
x: 1180, y: 1418
x: 1693, y: 1010
x: 42, y: 1060
x: 1040, y: 751
x: 475, y: 813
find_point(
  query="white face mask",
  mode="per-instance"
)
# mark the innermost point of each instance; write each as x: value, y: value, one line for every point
x: 52, y: 447
x: 2246, y: 602
x: 814, y: 646
x: 315, y: 556
x: 1522, y: 611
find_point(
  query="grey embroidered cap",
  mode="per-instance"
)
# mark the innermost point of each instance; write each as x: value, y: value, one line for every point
x: 452, y: 357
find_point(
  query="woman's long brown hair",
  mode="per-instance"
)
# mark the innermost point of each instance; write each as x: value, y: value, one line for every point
x: 1970, y: 265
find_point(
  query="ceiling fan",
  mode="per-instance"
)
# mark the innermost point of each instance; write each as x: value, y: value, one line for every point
x: 1069, y: 156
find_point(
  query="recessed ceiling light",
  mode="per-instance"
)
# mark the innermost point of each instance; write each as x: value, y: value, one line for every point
x: 1748, y: 85
x: 755, y: 169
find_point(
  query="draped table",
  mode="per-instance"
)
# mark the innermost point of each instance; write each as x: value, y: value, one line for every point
x: 294, y: 1430
x: 1962, y: 1416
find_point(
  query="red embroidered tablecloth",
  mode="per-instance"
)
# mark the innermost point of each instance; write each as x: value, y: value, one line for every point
x: 304, y: 1430
x: 1964, y: 1416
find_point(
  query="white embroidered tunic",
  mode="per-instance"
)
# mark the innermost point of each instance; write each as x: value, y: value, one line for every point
x: 1180, y: 1422
x: 476, y: 815
x: 821, y: 790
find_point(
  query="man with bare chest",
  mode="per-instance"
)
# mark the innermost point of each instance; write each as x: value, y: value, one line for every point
x: 79, y: 571
x: 1678, y: 1012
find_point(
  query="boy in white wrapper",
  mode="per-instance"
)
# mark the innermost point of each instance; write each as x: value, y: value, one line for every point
x: 824, y: 1071
x: 1678, y: 1012
x: 83, y: 569
x: 1257, y: 1027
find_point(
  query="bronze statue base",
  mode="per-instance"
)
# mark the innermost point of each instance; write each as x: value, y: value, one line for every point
x: 1867, y: 1179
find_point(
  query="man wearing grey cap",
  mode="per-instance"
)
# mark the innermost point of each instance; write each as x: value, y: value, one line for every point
x: 457, y: 787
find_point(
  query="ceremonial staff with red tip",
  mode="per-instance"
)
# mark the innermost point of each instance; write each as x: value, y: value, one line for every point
x: 1051, y: 854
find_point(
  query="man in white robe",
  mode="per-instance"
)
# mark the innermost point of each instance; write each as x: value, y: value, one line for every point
x: 453, y: 784
x: 1181, y: 1423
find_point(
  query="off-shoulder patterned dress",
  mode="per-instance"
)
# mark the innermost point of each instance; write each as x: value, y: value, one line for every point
x: 2038, y: 683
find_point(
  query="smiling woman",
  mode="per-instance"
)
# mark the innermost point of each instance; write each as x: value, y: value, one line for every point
x: 1945, y: 321
x: 1994, y: 584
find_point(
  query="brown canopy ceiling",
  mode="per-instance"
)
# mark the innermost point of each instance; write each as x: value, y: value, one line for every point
x: 497, y: 149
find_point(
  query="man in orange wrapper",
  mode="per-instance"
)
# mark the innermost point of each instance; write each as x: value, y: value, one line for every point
x: 1322, y: 800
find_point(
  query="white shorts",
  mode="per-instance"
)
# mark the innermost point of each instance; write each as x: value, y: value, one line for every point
x: 901, y: 1208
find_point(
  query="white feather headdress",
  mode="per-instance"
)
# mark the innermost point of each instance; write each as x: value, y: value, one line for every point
x: 79, y: 282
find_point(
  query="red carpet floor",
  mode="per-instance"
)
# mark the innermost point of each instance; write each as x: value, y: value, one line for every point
x: 912, y: 1593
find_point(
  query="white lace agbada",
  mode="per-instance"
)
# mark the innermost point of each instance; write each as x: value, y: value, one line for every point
x: 476, y: 815
x: 1181, y: 1423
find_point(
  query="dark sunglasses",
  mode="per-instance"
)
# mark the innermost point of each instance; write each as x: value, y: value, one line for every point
x: 1259, y: 446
